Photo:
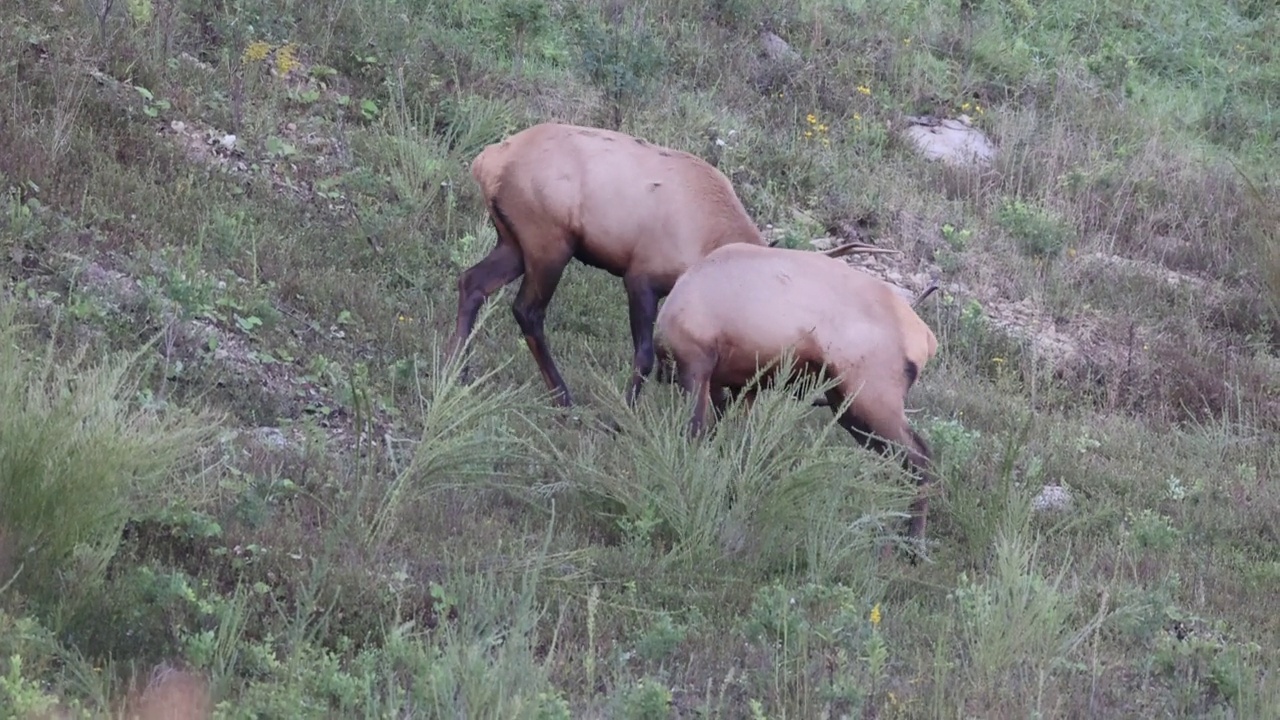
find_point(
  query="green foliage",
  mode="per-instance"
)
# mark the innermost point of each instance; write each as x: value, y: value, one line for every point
x: 621, y: 56
x: 1037, y: 232
x: 646, y: 700
x: 520, y: 21
x: 468, y: 436
x: 1033, y: 612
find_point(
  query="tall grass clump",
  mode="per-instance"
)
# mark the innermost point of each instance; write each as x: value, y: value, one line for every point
x: 75, y: 445
x: 481, y: 658
x: 1267, y: 236
x: 468, y: 439
x: 766, y: 488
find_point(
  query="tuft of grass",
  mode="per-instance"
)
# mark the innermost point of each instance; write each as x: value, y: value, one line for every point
x: 470, y: 438
x: 752, y: 495
x: 1268, y: 246
x: 1019, y: 613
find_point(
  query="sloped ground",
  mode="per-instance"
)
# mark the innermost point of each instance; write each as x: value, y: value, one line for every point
x: 283, y: 212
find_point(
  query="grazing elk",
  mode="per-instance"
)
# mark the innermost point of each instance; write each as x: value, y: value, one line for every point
x: 640, y: 211
x: 742, y: 307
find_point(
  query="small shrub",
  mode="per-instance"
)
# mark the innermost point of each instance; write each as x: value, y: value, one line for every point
x: 661, y: 639
x: 646, y: 699
x: 1037, y: 232
x: 623, y: 62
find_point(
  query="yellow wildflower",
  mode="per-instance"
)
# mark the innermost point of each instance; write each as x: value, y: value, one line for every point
x: 857, y: 116
x: 256, y: 51
x: 822, y: 128
x: 808, y: 133
x: 997, y: 360
x: 865, y: 90
x: 286, y: 59
x: 906, y: 41
x: 965, y: 106
x: 875, y: 615
x: 811, y: 118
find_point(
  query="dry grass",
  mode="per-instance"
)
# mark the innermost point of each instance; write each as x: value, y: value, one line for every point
x: 171, y: 695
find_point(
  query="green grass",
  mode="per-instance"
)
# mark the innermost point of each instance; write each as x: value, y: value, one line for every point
x: 235, y: 472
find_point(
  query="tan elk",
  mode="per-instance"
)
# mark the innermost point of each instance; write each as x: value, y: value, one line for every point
x: 641, y: 212
x: 740, y: 309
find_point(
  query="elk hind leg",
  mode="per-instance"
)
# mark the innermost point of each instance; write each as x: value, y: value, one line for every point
x: 503, y: 264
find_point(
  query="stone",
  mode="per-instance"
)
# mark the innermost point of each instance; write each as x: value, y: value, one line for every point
x: 953, y: 141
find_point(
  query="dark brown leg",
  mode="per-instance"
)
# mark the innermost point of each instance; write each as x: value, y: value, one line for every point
x: 697, y: 423
x: 665, y: 372
x: 530, y: 309
x: 642, y: 306
x: 916, y: 460
x: 502, y: 265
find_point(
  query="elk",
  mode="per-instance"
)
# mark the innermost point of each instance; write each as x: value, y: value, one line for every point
x: 741, y: 308
x: 642, y: 212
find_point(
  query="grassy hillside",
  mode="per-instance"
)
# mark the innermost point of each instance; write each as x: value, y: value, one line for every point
x: 235, y: 477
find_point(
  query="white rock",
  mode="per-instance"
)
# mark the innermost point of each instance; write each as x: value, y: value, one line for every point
x: 1052, y: 498
x: 270, y: 436
x: 955, y: 142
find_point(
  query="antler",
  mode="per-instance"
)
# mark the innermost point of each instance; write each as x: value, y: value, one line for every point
x: 857, y: 247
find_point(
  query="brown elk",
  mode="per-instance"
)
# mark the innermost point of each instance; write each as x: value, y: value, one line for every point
x: 742, y: 308
x: 641, y: 212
